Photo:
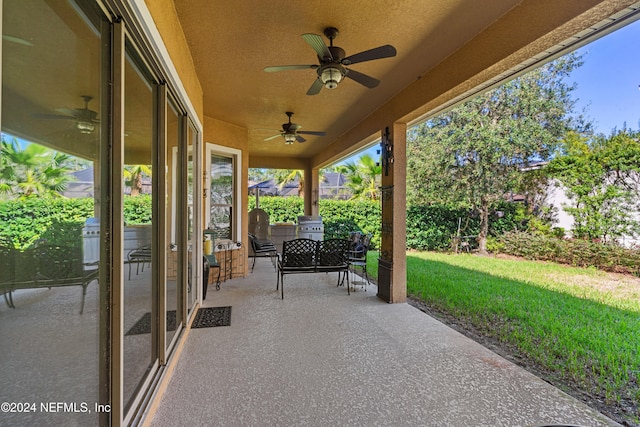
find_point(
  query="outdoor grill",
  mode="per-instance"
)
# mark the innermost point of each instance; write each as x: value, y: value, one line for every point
x: 310, y: 227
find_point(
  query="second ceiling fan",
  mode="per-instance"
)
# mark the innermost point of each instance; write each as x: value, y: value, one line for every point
x: 291, y: 133
x: 333, y: 62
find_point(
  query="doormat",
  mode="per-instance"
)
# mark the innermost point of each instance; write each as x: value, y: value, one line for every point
x: 143, y: 325
x: 210, y: 317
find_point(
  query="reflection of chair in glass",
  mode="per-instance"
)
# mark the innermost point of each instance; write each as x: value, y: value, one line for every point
x: 7, y: 273
x: 48, y: 266
x: 262, y: 248
x: 358, y: 254
x: 259, y: 224
x: 139, y: 255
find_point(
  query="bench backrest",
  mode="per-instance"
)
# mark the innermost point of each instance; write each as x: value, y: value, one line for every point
x: 298, y: 253
x: 308, y: 253
x: 332, y: 252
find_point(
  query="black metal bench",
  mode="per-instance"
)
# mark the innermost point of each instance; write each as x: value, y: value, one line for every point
x: 311, y: 256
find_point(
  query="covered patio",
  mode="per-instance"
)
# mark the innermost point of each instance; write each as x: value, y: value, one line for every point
x: 185, y: 90
x: 320, y: 357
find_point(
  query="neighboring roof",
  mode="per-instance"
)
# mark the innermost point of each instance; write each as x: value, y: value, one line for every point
x: 82, y: 185
x: 333, y: 179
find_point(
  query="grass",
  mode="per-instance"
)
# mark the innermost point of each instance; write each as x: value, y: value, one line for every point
x: 582, y: 326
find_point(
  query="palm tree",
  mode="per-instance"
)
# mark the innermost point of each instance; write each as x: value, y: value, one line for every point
x: 285, y: 176
x: 33, y: 170
x: 363, y: 177
x: 133, y: 177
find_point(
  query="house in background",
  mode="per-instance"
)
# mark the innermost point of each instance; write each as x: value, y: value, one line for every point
x: 83, y: 185
x: 555, y: 197
x: 332, y: 186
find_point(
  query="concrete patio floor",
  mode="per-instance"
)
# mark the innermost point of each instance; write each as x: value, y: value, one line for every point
x: 320, y: 357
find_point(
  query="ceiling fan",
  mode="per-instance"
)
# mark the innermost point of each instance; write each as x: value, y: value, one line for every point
x: 333, y: 62
x: 291, y: 133
x: 85, y: 119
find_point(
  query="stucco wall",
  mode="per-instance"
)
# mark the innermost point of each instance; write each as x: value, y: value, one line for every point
x: 229, y: 135
x: 165, y: 17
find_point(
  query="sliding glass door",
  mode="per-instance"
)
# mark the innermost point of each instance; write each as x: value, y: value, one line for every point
x: 53, y: 295
x: 140, y: 291
x: 99, y: 262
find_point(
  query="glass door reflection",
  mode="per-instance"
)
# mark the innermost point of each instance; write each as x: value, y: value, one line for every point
x: 140, y: 311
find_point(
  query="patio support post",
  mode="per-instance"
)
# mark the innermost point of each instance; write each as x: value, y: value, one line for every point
x: 315, y: 192
x: 308, y: 187
x: 392, y: 265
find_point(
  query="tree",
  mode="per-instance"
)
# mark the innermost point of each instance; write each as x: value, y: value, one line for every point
x: 601, y: 177
x: 363, y: 177
x: 257, y: 174
x: 285, y: 176
x: 133, y: 177
x: 33, y: 170
x: 473, y: 154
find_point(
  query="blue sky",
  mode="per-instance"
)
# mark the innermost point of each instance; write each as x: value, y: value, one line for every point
x: 607, y: 83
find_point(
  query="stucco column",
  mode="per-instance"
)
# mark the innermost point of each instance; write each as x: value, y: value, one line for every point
x: 392, y: 265
x: 315, y: 191
x: 308, y: 188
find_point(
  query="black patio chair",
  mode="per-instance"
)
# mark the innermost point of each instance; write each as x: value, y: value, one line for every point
x: 358, y: 255
x: 209, y: 262
x: 262, y: 248
x: 139, y: 255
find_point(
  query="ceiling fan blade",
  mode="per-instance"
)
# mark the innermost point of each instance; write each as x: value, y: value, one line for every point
x: 53, y: 116
x: 315, y: 87
x: 385, y: 51
x: 289, y: 67
x: 272, y: 137
x: 316, y: 42
x: 300, y: 139
x: 310, y: 132
x: 363, y: 79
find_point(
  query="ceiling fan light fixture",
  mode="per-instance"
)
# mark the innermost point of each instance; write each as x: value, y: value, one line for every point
x: 289, y: 138
x: 330, y: 77
x: 85, y: 127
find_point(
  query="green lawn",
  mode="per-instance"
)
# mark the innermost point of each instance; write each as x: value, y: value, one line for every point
x: 577, y: 324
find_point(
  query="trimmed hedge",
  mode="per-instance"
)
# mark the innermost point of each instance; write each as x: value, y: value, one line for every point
x: 428, y: 227
x: 581, y: 253
x: 340, y: 217
x: 58, y: 220
x: 432, y: 227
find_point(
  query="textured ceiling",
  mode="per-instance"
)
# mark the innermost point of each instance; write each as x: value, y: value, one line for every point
x: 445, y: 48
x: 231, y: 45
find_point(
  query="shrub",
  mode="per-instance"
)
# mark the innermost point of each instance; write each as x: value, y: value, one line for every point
x: 428, y: 227
x: 581, y: 253
x: 432, y: 227
x: 26, y: 221
x: 280, y: 209
x: 137, y: 209
x: 56, y: 220
x: 340, y: 217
